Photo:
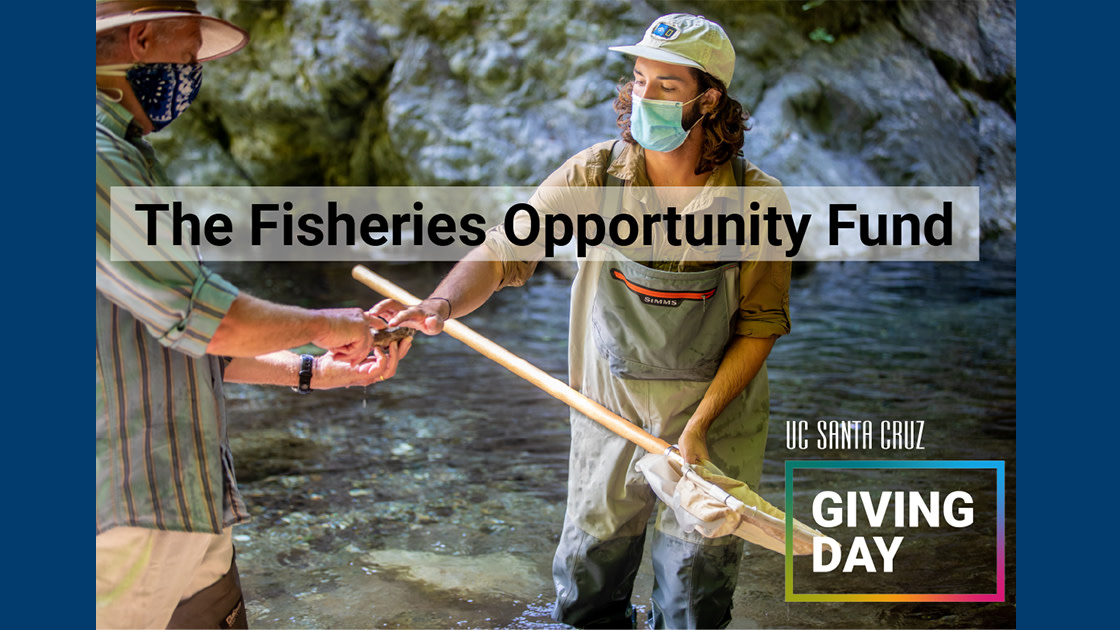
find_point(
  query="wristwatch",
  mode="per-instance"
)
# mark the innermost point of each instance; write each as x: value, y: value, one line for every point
x: 306, y: 361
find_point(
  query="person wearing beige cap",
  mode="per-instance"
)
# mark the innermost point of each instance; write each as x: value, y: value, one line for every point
x: 170, y: 332
x: 689, y: 369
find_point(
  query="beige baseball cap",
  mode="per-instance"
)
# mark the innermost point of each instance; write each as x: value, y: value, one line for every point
x: 687, y: 40
x: 219, y: 38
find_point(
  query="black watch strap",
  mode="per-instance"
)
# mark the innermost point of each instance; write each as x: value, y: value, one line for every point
x: 306, y: 362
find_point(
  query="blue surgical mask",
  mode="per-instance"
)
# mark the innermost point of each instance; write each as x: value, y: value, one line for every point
x: 164, y: 90
x: 656, y: 125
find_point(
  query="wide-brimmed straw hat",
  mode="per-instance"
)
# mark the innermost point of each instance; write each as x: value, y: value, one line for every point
x: 219, y: 37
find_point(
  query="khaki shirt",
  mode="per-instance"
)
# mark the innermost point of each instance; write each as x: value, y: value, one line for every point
x: 763, y: 285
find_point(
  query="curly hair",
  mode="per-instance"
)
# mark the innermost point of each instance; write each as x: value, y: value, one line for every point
x: 723, y: 127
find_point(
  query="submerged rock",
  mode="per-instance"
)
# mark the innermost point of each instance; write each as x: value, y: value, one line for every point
x: 481, y: 575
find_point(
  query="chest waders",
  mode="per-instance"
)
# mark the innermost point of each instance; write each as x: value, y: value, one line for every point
x: 645, y: 343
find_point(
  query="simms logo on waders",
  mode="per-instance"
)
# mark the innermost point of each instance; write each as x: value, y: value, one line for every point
x: 654, y: 297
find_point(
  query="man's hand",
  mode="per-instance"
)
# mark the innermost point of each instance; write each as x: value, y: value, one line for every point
x: 253, y: 327
x: 427, y: 316
x: 331, y: 372
x: 346, y: 334
x: 693, y: 446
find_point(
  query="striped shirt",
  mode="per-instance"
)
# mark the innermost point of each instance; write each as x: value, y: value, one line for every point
x: 163, y: 459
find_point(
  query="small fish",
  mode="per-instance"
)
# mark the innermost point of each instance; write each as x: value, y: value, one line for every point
x: 385, y: 336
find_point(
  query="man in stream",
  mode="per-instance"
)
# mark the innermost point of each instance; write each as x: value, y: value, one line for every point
x: 702, y: 387
x: 169, y: 333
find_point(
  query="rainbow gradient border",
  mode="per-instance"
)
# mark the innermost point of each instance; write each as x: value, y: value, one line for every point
x: 998, y: 596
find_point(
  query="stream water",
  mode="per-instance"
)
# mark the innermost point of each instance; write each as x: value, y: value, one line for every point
x: 435, y: 499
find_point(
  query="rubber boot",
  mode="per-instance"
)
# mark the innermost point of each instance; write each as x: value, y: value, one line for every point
x: 693, y: 584
x: 595, y: 579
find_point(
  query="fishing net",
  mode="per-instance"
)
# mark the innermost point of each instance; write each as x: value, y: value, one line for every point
x: 708, y: 502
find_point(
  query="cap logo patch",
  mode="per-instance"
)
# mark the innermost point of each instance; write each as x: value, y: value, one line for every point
x: 665, y: 31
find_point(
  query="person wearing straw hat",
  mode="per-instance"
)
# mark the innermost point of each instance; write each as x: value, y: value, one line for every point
x: 169, y: 333
x: 691, y: 371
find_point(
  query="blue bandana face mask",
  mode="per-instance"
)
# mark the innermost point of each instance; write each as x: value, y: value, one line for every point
x: 656, y: 125
x: 164, y: 90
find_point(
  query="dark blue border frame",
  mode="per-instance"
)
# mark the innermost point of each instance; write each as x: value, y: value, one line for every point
x: 46, y: 461
x: 1066, y: 328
